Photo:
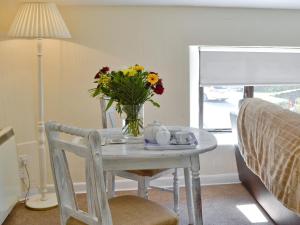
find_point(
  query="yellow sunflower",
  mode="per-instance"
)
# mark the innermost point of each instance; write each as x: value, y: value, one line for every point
x: 138, y: 67
x: 129, y: 72
x: 152, y: 78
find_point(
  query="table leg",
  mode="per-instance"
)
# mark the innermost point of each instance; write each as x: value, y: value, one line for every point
x: 188, y: 192
x: 196, y: 189
x: 143, y: 186
x: 176, y: 191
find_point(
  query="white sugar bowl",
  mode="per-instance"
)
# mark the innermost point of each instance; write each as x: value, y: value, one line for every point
x: 151, y: 130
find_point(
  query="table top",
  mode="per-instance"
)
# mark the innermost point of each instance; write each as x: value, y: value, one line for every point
x: 206, y: 142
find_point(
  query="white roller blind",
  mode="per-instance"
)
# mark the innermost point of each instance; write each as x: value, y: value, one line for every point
x: 249, y: 65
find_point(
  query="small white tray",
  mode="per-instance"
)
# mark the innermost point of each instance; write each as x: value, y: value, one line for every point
x: 157, y: 147
x: 117, y: 141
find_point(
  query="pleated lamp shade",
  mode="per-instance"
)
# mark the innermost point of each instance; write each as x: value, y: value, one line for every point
x: 39, y: 20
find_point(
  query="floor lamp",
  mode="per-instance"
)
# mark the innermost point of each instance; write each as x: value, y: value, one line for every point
x: 38, y: 20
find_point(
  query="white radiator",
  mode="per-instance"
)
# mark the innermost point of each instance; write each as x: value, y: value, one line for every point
x: 10, y: 190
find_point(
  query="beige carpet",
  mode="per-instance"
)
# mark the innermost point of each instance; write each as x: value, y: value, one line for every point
x: 219, y: 207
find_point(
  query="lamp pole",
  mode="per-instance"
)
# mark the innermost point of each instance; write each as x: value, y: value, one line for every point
x: 41, y: 123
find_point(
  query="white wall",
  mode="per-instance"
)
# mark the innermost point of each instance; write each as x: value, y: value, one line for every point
x: 156, y: 37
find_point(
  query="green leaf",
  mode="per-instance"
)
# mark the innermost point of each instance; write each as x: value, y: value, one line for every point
x: 109, y: 104
x: 94, y: 92
x: 119, y: 108
x: 154, y: 103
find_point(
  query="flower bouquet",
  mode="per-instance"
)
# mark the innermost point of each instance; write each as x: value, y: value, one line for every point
x: 129, y: 89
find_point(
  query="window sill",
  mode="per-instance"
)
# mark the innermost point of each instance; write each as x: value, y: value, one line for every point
x: 225, y: 138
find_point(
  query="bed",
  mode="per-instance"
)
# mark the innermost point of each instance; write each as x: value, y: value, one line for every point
x: 268, y: 158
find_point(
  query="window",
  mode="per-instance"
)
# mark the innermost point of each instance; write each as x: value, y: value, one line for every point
x: 220, y: 76
x: 287, y: 96
x: 218, y: 102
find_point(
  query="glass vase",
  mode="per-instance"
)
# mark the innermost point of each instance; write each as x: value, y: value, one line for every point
x: 133, y: 122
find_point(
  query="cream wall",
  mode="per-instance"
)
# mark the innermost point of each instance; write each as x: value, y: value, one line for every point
x: 156, y: 37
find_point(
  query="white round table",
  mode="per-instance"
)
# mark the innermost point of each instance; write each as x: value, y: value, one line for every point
x: 118, y: 157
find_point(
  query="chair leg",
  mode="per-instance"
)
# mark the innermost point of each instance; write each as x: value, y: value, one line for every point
x: 176, y: 191
x: 110, y: 184
x: 143, y: 185
x: 63, y: 219
x: 188, y: 191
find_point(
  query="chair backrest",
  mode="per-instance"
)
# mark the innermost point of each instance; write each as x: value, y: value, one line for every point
x: 98, y: 208
x: 110, y: 118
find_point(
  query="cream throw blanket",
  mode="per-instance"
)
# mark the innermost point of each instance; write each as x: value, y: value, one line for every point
x: 269, y: 138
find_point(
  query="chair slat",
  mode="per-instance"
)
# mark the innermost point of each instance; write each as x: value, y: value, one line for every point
x: 78, y: 150
x: 54, y: 126
x: 81, y: 215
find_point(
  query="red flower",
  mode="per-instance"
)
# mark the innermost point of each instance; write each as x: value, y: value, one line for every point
x: 104, y: 69
x: 97, y: 76
x: 159, y: 82
x: 159, y: 89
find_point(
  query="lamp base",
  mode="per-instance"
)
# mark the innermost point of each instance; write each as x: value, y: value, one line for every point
x: 35, y: 202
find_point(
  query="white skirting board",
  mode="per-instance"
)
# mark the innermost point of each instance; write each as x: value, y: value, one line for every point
x: 164, y: 182
x: 124, y: 184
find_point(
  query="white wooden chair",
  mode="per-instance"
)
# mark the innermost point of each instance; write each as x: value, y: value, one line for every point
x: 143, y: 177
x: 123, y: 210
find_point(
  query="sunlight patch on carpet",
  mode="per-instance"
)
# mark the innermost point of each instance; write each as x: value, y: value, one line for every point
x: 253, y: 213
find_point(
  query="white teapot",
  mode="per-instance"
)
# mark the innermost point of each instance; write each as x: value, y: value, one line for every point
x: 156, y: 133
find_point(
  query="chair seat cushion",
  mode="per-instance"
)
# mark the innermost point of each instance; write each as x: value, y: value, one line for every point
x: 133, y: 210
x: 146, y: 173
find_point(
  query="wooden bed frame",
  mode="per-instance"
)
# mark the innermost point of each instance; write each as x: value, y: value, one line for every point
x: 276, y: 211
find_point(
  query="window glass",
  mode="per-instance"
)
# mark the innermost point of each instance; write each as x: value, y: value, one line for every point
x: 286, y: 96
x: 218, y: 102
